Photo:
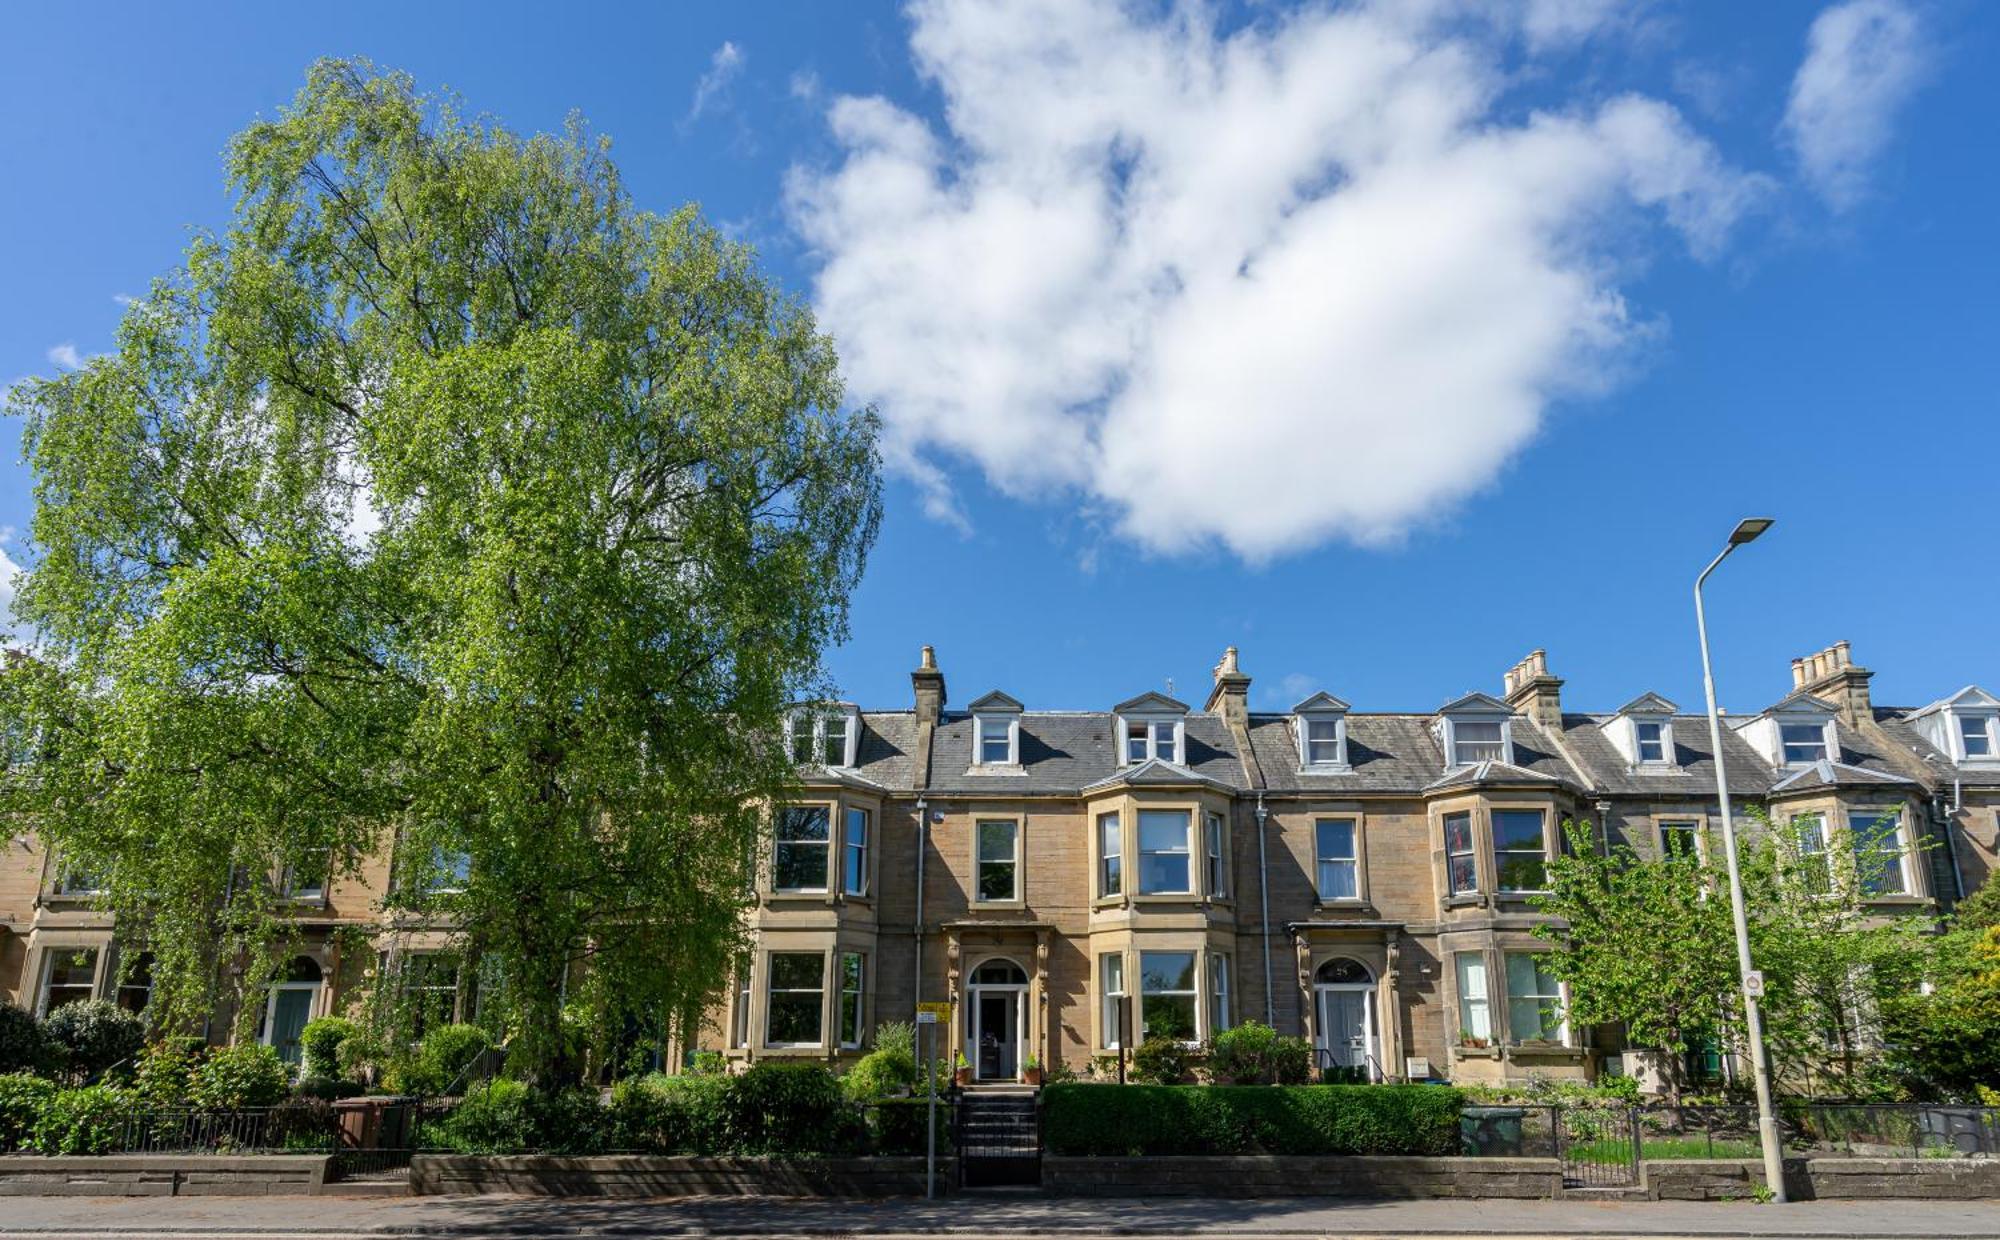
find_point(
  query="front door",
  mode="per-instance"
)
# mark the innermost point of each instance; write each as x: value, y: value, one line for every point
x: 291, y: 1007
x: 998, y: 1039
x: 1343, y: 1026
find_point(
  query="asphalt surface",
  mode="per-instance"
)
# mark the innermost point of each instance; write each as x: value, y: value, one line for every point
x: 982, y: 1215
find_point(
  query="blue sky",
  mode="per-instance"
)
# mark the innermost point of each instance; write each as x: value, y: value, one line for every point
x: 1386, y: 343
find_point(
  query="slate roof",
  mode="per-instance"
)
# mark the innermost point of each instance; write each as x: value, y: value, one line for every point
x: 1068, y: 751
x: 1393, y: 753
x: 1895, y: 720
x: 1605, y: 767
x: 883, y: 753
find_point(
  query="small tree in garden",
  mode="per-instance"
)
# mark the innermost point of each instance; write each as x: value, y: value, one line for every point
x: 1253, y: 1053
x: 1947, y: 1041
x: 1642, y: 942
x: 94, y: 1036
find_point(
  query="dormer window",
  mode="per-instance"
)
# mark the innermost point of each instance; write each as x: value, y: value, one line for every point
x: 1478, y: 740
x: 1475, y: 728
x: 1804, y: 743
x: 1652, y: 737
x: 1320, y: 723
x: 823, y: 736
x: 1151, y: 726
x: 1976, y: 739
x: 996, y: 731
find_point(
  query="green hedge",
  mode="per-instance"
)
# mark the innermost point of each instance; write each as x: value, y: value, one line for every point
x: 1120, y: 1120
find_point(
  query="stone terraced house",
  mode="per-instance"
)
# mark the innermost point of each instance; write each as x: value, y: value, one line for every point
x: 1070, y: 880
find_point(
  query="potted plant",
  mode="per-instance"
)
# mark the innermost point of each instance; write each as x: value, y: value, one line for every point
x: 1473, y: 1040
x: 1031, y: 1070
x: 962, y: 1071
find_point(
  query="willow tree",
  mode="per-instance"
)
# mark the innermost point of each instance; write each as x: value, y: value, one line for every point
x: 446, y: 503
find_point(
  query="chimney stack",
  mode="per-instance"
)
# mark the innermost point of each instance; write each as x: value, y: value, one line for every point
x: 1832, y: 674
x: 1230, y: 697
x: 928, y: 682
x: 1531, y: 690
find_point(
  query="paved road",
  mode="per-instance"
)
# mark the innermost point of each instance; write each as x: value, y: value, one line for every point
x: 1014, y: 1217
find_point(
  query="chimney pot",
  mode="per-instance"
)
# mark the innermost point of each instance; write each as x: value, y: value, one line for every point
x: 1798, y: 673
x: 1843, y: 654
x: 929, y: 660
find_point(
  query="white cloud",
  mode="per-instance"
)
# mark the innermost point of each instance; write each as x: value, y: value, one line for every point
x: 723, y: 66
x: 65, y: 356
x: 1301, y: 282
x: 1863, y: 60
x: 804, y: 86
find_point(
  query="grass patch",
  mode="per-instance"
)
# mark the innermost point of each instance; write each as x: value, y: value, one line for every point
x: 1615, y: 1153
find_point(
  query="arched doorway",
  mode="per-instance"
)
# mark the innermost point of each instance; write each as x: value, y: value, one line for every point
x: 289, y: 1005
x: 1344, y: 1007
x: 996, y: 1019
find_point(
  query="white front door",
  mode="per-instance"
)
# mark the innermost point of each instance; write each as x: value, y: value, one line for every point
x: 1346, y: 1027
x: 996, y: 1023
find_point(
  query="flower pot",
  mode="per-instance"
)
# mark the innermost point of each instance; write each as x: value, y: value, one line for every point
x: 963, y: 1076
x: 1031, y: 1076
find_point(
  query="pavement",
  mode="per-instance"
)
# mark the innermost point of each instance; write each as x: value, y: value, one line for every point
x: 1017, y: 1217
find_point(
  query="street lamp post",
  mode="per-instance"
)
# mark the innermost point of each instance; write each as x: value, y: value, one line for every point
x: 1767, y: 1125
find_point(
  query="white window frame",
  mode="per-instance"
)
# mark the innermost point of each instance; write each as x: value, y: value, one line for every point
x: 771, y: 990
x: 1110, y: 852
x: 1692, y: 825
x: 47, y: 985
x: 451, y: 870
x: 1214, y: 835
x: 1185, y: 851
x: 1470, y: 851
x: 1306, y: 723
x: 739, y: 1033
x: 1218, y: 990
x: 1193, y: 993
x: 821, y: 716
x: 1819, y: 860
x: 1111, y: 998
x: 1861, y: 820
x: 851, y: 1034
x: 825, y: 847
x: 981, y: 729
x: 1498, y: 853
x: 1141, y: 733
x: 853, y: 851
x: 1322, y: 858
x: 1475, y: 1001
x: 980, y: 861
x: 1665, y: 741
x: 1825, y: 743
x: 1452, y: 740
x: 72, y: 882
x: 1988, y: 725
x: 290, y: 890
x: 1557, y: 998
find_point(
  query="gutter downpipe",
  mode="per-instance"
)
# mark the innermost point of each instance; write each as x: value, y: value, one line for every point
x: 923, y: 831
x: 1264, y: 898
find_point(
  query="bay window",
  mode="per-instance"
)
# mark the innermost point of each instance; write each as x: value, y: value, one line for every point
x: 1111, y: 990
x: 1167, y: 995
x: 852, y: 975
x: 1534, y: 1000
x: 1475, y: 1015
x: 1877, y: 838
x: 1520, y: 855
x: 70, y: 976
x: 1336, y: 859
x: 794, y: 994
x: 1809, y: 840
x: 799, y: 852
x: 1164, y: 855
x: 1218, y: 870
x: 1110, y: 855
x: 1218, y: 989
x: 1460, y: 855
x: 854, y: 879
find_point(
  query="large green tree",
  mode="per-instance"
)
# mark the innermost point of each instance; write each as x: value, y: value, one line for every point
x: 445, y: 499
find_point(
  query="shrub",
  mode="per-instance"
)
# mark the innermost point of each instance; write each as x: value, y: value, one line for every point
x: 885, y: 1073
x: 1160, y: 1060
x: 235, y: 1077
x: 1229, y: 1119
x: 1255, y: 1054
x: 442, y: 1059
x: 791, y: 1108
x: 94, y: 1036
x: 320, y: 1042
x: 899, y: 1126
x: 83, y: 1121
x: 165, y: 1076
x: 707, y: 1063
x: 508, y: 1117
x: 658, y: 1114
x: 23, y: 1098
x: 898, y: 1037
x: 24, y: 1044
x: 325, y: 1088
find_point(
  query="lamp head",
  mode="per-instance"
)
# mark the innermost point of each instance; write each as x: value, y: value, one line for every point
x: 1748, y: 529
